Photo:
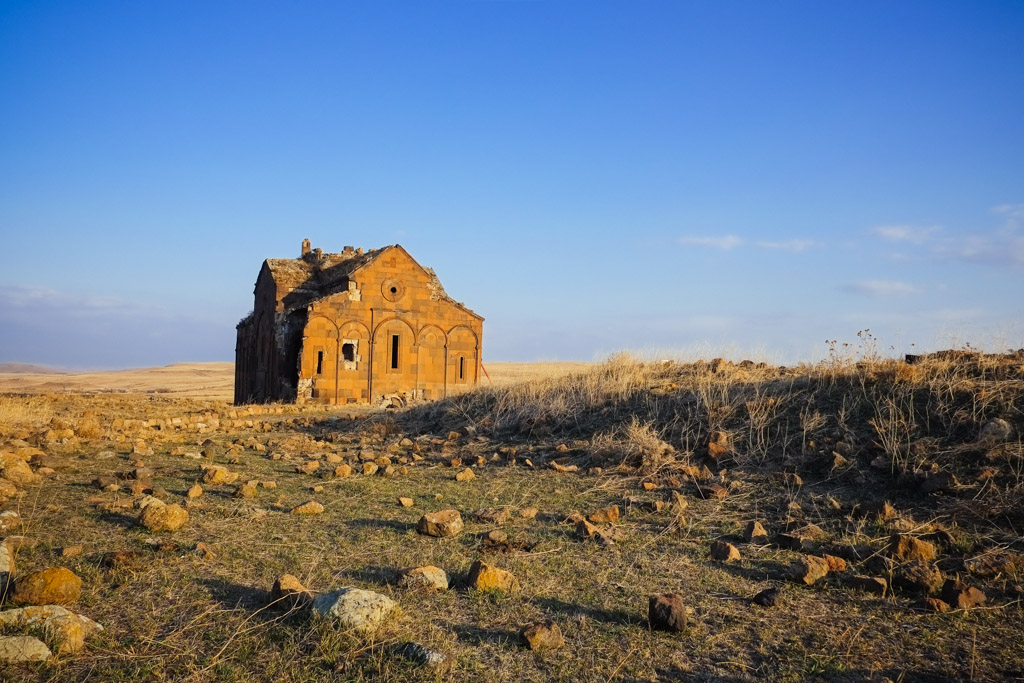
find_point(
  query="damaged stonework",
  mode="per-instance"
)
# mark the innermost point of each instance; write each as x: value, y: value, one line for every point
x: 350, y: 361
x: 354, y: 327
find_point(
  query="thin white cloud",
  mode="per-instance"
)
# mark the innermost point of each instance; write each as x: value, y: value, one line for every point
x: 68, y: 303
x: 905, y: 233
x: 1003, y: 248
x: 1014, y: 213
x: 795, y: 246
x: 724, y: 242
x: 882, y: 288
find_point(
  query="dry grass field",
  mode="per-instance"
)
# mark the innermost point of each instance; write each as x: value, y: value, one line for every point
x: 689, y: 455
x: 211, y: 380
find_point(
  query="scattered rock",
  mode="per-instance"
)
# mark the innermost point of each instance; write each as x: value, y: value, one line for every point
x: 354, y: 608
x: 918, y: 577
x: 904, y: 548
x: 495, y: 537
x: 14, y: 649
x: 308, y: 467
x: 106, y: 483
x: 429, y: 577
x: 163, y: 517
x: 308, y: 508
x: 995, y: 563
x: 585, y: 529
x: 493, y: 515
x: 122, y: 559
x: 724, y: 552
x: 528, y: 513
x: 406, y: 502
x: 809, y: 569
x: 289, y: 592
x: 217, y: 474
x: 422, y: 655
x: 9, y: 521
x: 16, y: 471
x: 666, y: 612
x: 962, y: 596
x: 7, y: 490
x: 487, y: 577
x: 443, y: 524
x: 205, y: 551
x: 57, y: 585
x: 881, y: 511
x: 64, y: 629
x: 194, y: 492
x: 793, y: 542
x: 465, y: 475
x: 835, y: 564
x: 936, y: 605
x: 714, y: 491
x: 370, y: 468
x: 937, y: 482
x: 245, y: 491
x: 542, y: 635
x: 68, y: 551
x: 869, y: 584
x: 995, y: 432
x: 342, y: 471
x: 608, y: 515
x: 755, y: 533
x: 768, y: 597
x: 6, y: 569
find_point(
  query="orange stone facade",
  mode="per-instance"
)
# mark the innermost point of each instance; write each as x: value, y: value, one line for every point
x: 354, y: 327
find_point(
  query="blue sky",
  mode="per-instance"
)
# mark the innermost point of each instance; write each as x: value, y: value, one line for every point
x: 590, y: 176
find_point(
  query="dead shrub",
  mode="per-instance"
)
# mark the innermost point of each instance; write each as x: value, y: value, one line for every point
x: 89, y: 428
x: 638, y: 444
x: 21, y: 412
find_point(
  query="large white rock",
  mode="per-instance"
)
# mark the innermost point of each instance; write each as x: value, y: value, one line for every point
x: 354, y: 608
x: 23, y: 649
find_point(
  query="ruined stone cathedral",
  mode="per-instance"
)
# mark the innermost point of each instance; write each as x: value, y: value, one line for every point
x: 354, y: 327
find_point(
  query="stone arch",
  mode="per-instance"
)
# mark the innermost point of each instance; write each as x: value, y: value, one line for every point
x: 356, y: 324
x: 382, y: 323
x: 460, y: 328
x: 463, y: 361
x: 420, y: 337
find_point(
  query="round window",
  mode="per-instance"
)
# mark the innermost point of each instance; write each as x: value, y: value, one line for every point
x: 393, y: 290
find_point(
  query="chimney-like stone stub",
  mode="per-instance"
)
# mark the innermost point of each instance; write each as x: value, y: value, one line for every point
x: 348, y: 251
x: 305, y: 247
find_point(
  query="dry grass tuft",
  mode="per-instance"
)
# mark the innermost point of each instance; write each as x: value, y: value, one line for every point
x: 21, y: 412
